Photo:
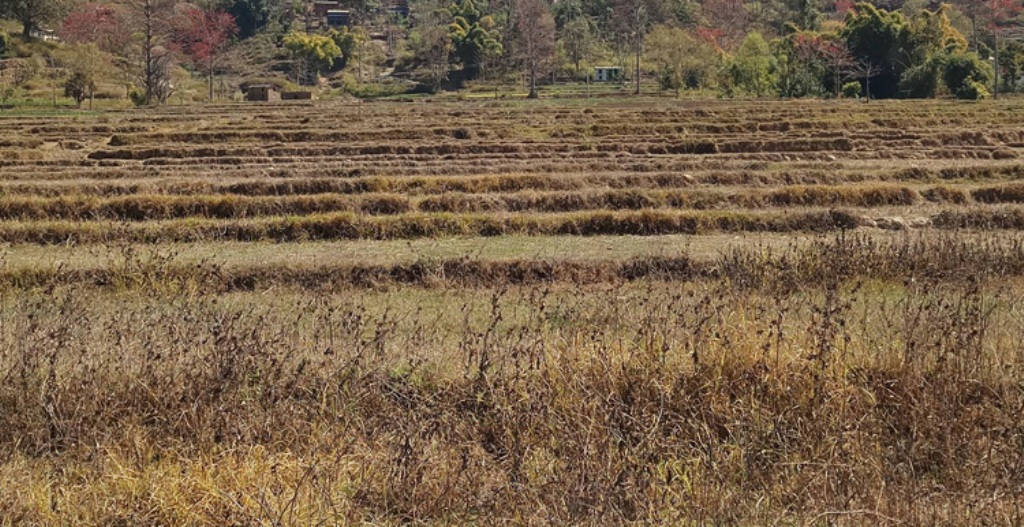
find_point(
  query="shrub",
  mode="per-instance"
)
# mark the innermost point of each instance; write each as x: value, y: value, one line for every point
x: 137, y: 96
x: 4, y: 39
x: 922, y: 81
x: 966, y: 75
x: 351, y: 86
x: 851, y: 90
x: 973, y: 90
x: 282, y: 84
x: 79, y: 87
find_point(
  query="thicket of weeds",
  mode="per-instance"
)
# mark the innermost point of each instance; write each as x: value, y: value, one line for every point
x: 352, y: 226
x: 727, y: 400
x: 952, y: 257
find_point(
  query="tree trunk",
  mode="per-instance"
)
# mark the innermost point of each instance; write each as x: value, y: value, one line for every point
x: 639, y: 47
x: 150, y: 77
x: 995, y: 93
x: 533, y: 82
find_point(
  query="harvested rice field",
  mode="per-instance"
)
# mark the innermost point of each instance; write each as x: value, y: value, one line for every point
x: 614, y: 311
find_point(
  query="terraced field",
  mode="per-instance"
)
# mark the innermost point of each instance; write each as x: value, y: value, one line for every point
x: 428, y: 171
x: 614, y: 311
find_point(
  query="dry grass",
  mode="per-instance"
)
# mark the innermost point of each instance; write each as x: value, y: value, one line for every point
x: 833, y: 373
x: 883, y: 401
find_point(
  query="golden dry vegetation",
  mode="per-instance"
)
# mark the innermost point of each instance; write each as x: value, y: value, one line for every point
x: 566, y: 312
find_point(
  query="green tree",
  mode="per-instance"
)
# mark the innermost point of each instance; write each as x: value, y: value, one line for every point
x: 683, y: 61
x: 474, y: 36
x: 567, y: 11
x: 348, y: 41
x: 929, y: 40
x: 32, y: 14
x: 752, y: 68
x: 251, y: 16
x: 315, y: 53
x: 807, y: 14
x: 879, y: 38
x: 966, y: 75
x: 1011, y: 60
x: 79, y: 87
x: 803, y: 64
x: 576, y: 40
x: 86, y: 63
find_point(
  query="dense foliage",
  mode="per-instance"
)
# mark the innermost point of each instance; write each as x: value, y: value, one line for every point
x: 770, y: 48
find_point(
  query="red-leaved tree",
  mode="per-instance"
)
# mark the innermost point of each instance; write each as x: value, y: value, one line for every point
x: 100, y: 24
x: 731, y: 18
x: 203, y: 36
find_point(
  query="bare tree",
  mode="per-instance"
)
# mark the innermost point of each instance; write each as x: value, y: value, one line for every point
x: 634, y: 19
x: 152, y: 22
x: 535, y: 41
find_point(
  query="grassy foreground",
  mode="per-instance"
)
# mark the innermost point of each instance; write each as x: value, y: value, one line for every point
x: 838, y: 395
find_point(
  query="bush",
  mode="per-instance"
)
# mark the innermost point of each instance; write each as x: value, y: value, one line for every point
x: 282, y: 84
x: 4, y: 39
x: 922, y: 81
x: 851, y: 90
x: 351, y: 86
x: 973, y: 91
x: 79, y: 87
x: 966, y: 75
x: 137, y: 96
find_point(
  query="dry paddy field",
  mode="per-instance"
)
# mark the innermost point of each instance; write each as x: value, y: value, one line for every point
x: 565, y: 312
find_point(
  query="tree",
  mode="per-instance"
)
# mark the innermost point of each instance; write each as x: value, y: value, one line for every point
x: 567, y: 11
x: 1011, y: 61
x: 535, y: 38
x: 879, y: 38
x: 966, y: 75
x: 32, y: 14
x: 352, y: 43
x: 79, y: 87
x: 807, y: 14
x: 929, y: 41
x: 101, y: 24
x: 474, y: 36
x: 634, y: 18
x: 683, y: 60
x: 15, y: 75
x: 577, y: 40
x: 430, y: 41
x: 726, y: 21
x: 150, y: 56
x: 999, y: 14
x: 85, y: 63
x: 801, y: 64
x: 752, y: 68
x: 315, y: 53
x: 250, y: 15
x: 204, y: 37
